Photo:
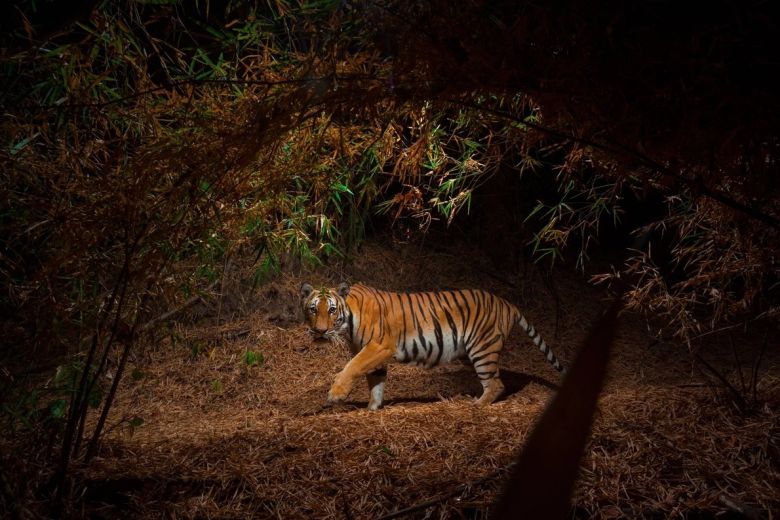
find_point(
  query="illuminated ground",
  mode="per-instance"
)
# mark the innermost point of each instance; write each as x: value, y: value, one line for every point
x: 221, y: 439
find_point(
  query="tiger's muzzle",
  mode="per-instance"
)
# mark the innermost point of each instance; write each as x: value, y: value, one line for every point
x: 335, y: 336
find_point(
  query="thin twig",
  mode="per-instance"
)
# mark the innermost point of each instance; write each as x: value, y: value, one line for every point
x: 722, y: 329
x: 173, y: 312
x: 446, y: 496
x: 754, y: 375
x: 79, y: 398
x: 129, y: 341
x: 734, y: 505
x: 114, y: 331
x: 222, y: 289
x: 615, y: 148
x: 739, y: 365
x: 739, y: 399
x: 190, y: 81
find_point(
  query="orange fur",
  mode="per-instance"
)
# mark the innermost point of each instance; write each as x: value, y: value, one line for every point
x: 425, y: 328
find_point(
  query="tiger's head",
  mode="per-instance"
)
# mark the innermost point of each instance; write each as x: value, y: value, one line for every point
x: 325, y: 311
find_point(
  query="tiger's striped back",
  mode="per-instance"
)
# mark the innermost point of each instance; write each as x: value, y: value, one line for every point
x: 430, y: 328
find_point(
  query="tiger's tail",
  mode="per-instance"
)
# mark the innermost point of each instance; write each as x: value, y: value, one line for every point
x: 539, y: 342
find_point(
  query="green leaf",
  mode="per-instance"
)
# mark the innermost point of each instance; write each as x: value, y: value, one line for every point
x: 137, y: 374
x: 136, y: 421
x: 539, y: 207
x: 253, y: 359
x: 387, y: 450
x: 18, y: 147
x: 268, y: 267
x: 95, y: 397
x: 197, y: 348
x: 343, y: 188
x: 217, y: 386
x: 57, y: 408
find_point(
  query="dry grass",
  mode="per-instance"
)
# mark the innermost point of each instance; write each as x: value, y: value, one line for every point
x: 261, y: 443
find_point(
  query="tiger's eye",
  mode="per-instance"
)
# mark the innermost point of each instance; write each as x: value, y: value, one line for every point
x: 332, y: 310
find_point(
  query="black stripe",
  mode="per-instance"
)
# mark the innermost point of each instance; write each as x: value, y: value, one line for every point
x: 476, y: 359
x: 465, y: 314
x: 411, y: 310
x: 419, y: 304
x: 431, y: 305
x: 446, y: 298
x: 469, y: 324
x: 379, y: 372
x: 478, y: 329
x: 478, y: 316
x: 459, y: 343
x: 406, y: 354
x: 422, y: 340
x: 483, y: 327
x: 453, y: 328
x: 486, y: 328
x: 432, y: 309
x: 361, y: 303
x: 403, y: 315
x: 390, y: 306
x: 414, y: 349
x: 484, y: 346
x: 439, y: 338
x: 372, y: 334
x: 368, y: 325
x: 439, y: 299
x: 382, y: 317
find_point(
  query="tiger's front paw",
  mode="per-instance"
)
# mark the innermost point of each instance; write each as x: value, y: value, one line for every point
x: 338, y: 391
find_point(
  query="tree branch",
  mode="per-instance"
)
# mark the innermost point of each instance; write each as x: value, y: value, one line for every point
x: 458, y: 490
x: 620, y: 149
x: 173, y: 312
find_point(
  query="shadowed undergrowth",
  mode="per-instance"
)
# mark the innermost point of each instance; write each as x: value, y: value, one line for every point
x: 153, y: 150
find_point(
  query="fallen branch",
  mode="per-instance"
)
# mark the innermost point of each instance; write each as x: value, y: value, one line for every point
x: 168, y: 315
x: 747, y: 512
x: 739, y: 399
x: 236, y: 334
x: 458, y: 490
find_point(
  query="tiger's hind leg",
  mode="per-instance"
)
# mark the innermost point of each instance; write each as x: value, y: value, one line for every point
x: 491, y: 390
x: 485, y: 361
x: 376, y: 388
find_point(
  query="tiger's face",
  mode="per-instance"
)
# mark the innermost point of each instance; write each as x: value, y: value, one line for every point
x: 325, y: 311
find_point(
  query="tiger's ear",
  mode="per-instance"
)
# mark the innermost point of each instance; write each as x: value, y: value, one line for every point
x: 306, y: 290
x: 343, y: 289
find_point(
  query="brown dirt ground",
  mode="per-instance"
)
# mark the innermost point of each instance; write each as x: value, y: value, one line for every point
x: 223, y: 440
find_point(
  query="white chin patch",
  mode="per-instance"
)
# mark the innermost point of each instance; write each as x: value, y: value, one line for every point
x: 335, y: 338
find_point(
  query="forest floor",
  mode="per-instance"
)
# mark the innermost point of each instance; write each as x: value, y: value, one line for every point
x: 197, y: 432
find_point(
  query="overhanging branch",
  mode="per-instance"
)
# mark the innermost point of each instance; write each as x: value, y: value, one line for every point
x: 619, y: 149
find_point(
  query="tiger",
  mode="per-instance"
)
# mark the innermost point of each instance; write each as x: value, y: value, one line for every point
x: 424, y: 328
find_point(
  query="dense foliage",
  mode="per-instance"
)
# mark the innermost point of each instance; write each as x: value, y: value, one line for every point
x: 145, y: 143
